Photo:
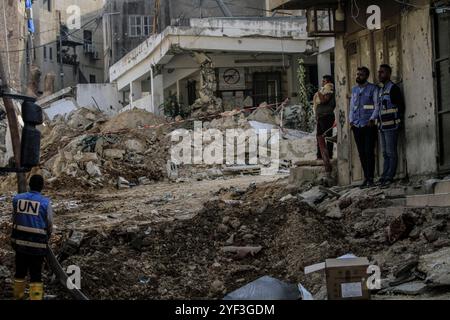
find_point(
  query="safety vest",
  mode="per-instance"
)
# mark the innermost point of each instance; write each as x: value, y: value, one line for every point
x: 389, y: 118
x: 363, y: 103
x: 30, y: 224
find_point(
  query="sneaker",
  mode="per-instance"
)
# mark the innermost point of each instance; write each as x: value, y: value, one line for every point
x: 380, y: 182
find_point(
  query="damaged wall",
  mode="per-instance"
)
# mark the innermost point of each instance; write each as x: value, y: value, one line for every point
x: 90, y: 66
x: 342, y: 101
x: 15, y: 62
x: 13, y: 38
x: 100, y: 96
x: 418, y: 85
x: 415, y: 77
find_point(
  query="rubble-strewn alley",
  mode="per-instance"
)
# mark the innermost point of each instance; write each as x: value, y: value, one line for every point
x: 221, y: 158
x: 141, y: 227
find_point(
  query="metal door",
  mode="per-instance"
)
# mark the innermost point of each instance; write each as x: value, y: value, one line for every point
x: 442, y: 77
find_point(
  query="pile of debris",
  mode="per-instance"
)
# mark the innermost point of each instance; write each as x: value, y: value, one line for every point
x: 270, y: 229
x: 88, y: 150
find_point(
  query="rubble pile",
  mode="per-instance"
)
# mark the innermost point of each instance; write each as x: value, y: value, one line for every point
x: 232, y: 241
x: 87, y: 150
x: 243, y: 234
x: 207, y: 103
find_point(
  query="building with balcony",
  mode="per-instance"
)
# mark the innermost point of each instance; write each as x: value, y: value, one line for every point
x: 252, y: 60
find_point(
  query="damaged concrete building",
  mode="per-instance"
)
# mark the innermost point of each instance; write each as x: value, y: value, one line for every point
x: 247, y: 60
x: 13, y: 42
x: 67, y: 43
x: 139, y: 19
x: 413, y: 39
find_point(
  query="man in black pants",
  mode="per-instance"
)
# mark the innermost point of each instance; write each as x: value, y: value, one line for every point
x: 325, y: 103
x: 363, y: 113
x: 32, y: 228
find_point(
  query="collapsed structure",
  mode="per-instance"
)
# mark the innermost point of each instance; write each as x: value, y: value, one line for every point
x: 242, y: 61
x: 142, y: 226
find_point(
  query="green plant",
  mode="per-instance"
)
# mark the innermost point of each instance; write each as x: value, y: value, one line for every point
x: 172, y: 108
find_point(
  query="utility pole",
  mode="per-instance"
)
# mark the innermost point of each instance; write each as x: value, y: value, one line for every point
x: 61, y: 65
x: 13, y: 127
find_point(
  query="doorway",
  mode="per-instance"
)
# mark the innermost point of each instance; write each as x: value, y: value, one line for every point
x: 442, y: 78
x: 267, y: 88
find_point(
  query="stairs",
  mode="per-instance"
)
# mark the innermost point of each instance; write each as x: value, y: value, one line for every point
x: 439, y: 198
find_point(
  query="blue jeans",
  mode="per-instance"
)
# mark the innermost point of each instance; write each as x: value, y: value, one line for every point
x: 389, y: 140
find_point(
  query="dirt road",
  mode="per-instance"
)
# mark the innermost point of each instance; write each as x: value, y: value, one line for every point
x: 142, y: 205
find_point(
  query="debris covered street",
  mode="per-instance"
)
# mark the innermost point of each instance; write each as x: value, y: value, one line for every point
x: 250, y: 150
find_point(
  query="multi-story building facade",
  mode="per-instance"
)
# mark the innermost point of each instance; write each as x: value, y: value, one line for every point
x: 127, y: 23
x: 13, y: 42
x: 68, y: 42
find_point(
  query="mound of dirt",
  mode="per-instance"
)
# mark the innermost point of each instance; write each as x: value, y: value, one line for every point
x: 187, y: 259
x: 133, y: 119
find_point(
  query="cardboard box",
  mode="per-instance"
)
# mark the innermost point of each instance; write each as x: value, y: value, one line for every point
x: 346, y: 277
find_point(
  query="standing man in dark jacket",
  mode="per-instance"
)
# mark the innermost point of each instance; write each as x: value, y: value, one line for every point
x: 324, y: 105
x: 363, y: 115
x: 391, y: 109
x: 32, y: 228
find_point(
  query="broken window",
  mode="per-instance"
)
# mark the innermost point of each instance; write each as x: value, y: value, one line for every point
x: 135, y: 24
x: 147, y: 26
x: 140, y: 26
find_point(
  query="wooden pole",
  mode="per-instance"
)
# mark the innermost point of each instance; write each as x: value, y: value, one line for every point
x: 13, y: 127
x: 156, y: 16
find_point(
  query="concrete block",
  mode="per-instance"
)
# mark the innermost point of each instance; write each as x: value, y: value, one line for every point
x: 301, y: 175
x: 442, y: 187
x: 429, y: 200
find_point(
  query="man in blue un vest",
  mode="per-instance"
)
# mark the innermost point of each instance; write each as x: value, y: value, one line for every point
x: 362, y: 121
x: 390, y: 111
x: 32, y: 228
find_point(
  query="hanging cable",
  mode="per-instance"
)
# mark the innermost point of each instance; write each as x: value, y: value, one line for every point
x: 55, y: 41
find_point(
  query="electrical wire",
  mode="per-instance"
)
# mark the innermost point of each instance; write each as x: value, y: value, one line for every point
x: 55, y: 41
x: 354, y: 4
x: 201, y: 5
x: 35, y: 33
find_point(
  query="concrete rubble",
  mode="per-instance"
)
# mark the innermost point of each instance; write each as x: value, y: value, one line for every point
x: 172, y: 231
